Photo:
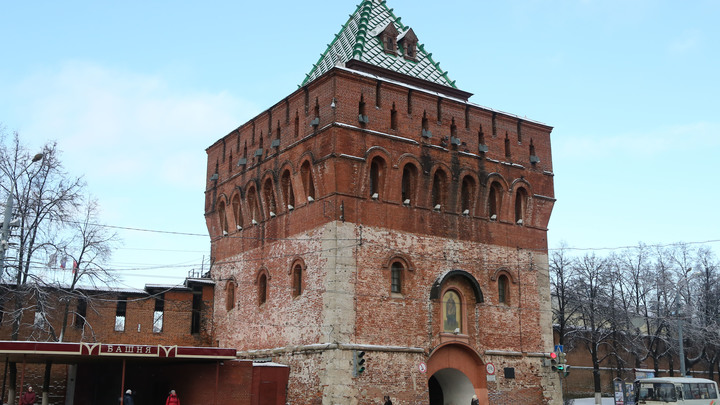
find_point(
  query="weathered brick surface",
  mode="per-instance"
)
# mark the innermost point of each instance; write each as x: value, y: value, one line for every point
x: 100, y: 318
x: 346, y: 239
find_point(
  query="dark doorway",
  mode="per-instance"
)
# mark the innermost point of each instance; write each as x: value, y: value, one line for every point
x: 436, y: 394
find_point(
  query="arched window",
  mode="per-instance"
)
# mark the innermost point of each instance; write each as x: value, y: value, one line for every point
x: 223, y: 218
x: 253, y: 205
x: 503, y: 289
x: 307, y: 179
x: 262, y: 289
x: 230, y: 295
x: 396, y: 277
x: 377, y: 173
x: 452, y: 312
x: 287, y: 190
x: 520, y: 205
x: 466, y: 194
x: 297, y: 279
x: 269, y: 198
x: 237, y: 212
x: 409, y: 179
x: 494, y: 200
x: 438, y: 190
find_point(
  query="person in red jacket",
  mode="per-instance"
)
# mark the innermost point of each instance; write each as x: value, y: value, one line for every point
x: 28, y: 397
x: 172, y: 399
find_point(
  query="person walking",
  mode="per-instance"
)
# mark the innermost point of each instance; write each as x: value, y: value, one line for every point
x: 127, y: 398
x: 172, y: 399
x: 474, y: 400
x: 387, y: 400
x: 28, y: 397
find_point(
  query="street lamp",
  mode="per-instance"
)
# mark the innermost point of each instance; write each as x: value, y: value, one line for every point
x: 8, y: 213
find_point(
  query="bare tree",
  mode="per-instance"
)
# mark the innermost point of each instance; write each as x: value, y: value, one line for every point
x: 564, y: 307
x: 89, y: 246
x: 707, y: 302
x: 594, y: 312
x: 49, y: 218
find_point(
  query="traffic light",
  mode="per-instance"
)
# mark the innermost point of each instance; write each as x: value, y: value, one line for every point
x: 358, y: 362
x: 566, y: 372
x: 558, y: 361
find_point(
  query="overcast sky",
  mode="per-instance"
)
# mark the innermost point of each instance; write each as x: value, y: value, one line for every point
x: 134, y: 91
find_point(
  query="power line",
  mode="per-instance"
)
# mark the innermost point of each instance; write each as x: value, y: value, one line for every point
x: 314, y: 239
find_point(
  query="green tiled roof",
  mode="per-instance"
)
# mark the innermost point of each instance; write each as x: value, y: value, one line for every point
x: 358, y: 39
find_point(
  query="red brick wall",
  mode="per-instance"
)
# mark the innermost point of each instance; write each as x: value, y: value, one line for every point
x: 100, y: 315
x: 346, y: 239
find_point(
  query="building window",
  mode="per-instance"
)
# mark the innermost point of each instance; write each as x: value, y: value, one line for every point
x: 389, y: 44
x: 503, y: 289
x: 262, y: 289
x: 196, y: 309
x: 452, y: 312
x: 377, y: 169
x: 362, y: 116
x: 80, y: 313
x: 287, y: 190
x: 269, y: 199
x: 223, y: 218
x: 520, y: 205
x: 466, y: 194
x: 438, y: 190
x: 252, y: 200
x: 158, y: 314
x: 389, y: 39
x: 297, y: 280
x: 409, y: 179
x: 494, y: 201
x: 237, y: 212
x: 307, y: 178
x: 230, y: 295
x: 409, y: 43
x: 120, y: 314
x: 396, y: 277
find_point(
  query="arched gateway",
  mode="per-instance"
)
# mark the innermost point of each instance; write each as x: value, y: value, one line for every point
x: 455, y: 374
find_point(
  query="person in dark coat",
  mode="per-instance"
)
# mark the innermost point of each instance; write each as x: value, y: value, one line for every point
x: 28, y: 397
x: 128, y: 399
x: 387, y: 400
x: 474, y: 400
x: 172, y: 399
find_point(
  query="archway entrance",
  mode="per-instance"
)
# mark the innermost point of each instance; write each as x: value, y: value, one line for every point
x: 456, y: 374
x: 450, y: 386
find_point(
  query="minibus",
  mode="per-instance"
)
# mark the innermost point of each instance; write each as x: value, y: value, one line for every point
x: 663, y: 390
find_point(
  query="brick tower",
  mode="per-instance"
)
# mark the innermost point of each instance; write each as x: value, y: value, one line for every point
x: 376, y: 214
